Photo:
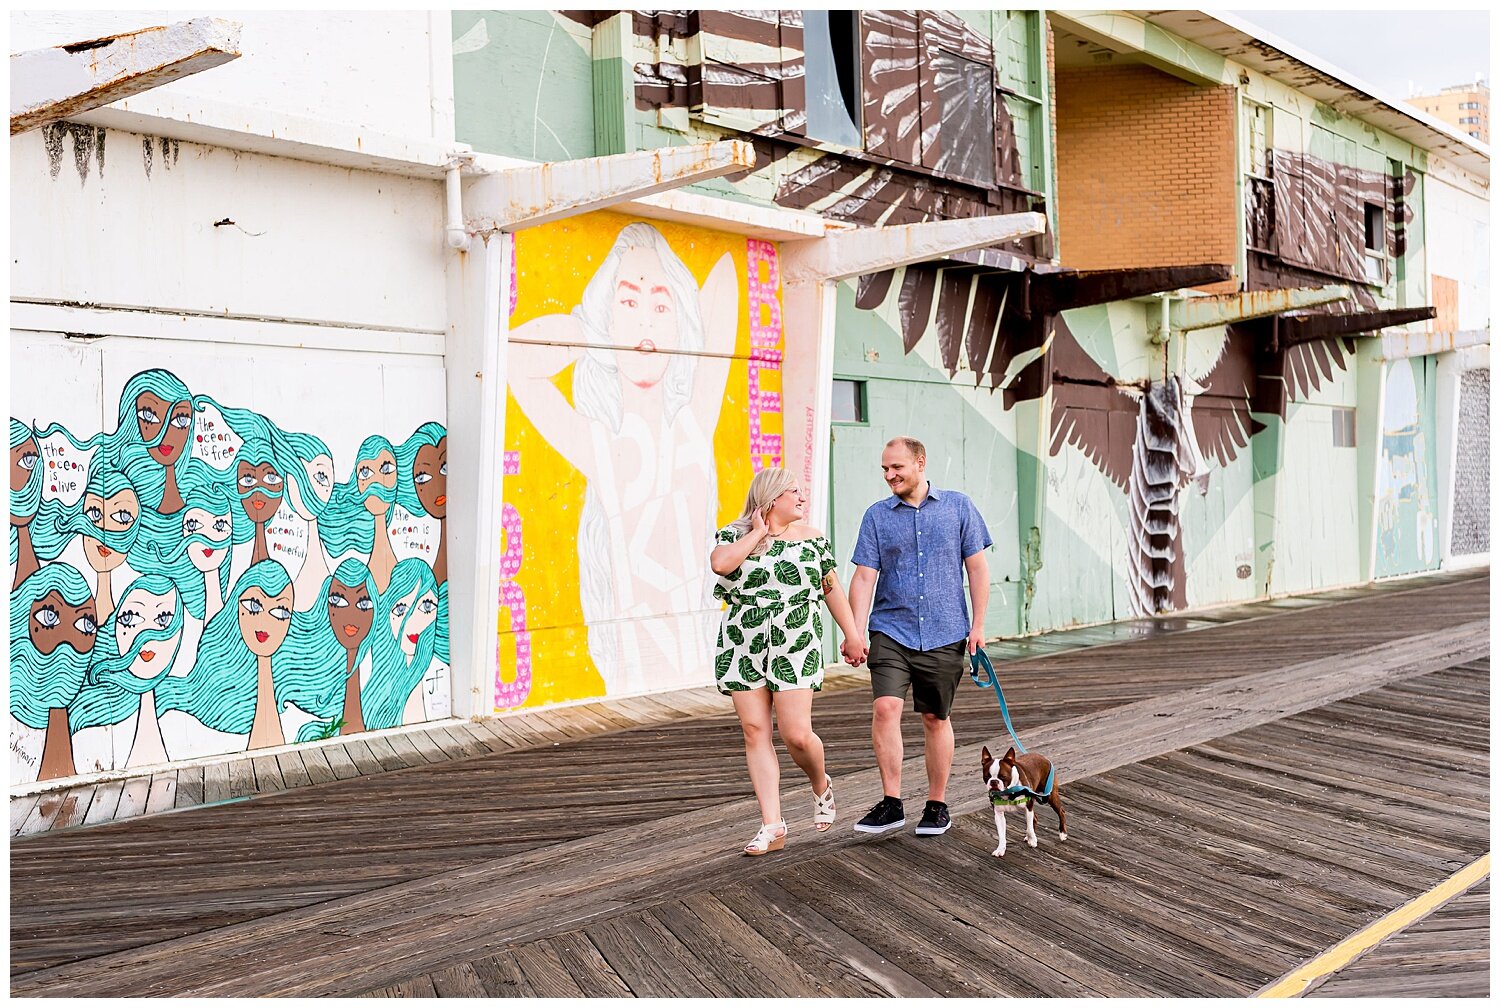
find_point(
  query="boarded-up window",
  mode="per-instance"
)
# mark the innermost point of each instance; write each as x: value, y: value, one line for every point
x: 752, y: 70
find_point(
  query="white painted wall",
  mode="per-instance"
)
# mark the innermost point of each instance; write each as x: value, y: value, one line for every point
x: 362, y: 68
x: 1458, y: 246
x: 136, y: 228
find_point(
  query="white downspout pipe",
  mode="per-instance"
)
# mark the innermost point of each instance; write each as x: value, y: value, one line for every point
x: 458, y: 235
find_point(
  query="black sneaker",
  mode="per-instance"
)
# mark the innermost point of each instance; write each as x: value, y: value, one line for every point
x: 886, y: 815
x: 934, y: 819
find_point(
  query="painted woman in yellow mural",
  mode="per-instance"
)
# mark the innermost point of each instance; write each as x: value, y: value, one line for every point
x: 652, y: 354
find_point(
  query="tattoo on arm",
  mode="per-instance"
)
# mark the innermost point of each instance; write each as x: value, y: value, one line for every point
x: 827, y: 583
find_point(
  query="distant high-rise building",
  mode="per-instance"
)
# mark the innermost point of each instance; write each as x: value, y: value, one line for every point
x: 1466, y: 106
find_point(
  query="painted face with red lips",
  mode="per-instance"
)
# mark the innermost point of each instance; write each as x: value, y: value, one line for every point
x: 263, y: 485
x: 112, y: 514
x: 151, y: 413
x: 351, y: 613
x: 216, y: 528
x: 140, y: 611
x: 643, y: 318
x: 54, y: 623
x: 265, y: 620
x: 429, y: 471
x: 410, y: 616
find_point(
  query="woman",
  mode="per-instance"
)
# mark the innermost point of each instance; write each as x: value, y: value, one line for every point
x: 404, y: 633
x: 649, y: 350
x: 134, y: 652
x: 309, y: 485
x: 260, y: 488
x: 422, y: 471
x: 319, y: 670
x: 772, y: 568
x: 52, y: 626
x: 358, y: 515
x: 230, y: 688
x: 107, y: 525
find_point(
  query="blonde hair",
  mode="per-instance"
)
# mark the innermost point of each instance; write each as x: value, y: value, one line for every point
x: 767, y: 485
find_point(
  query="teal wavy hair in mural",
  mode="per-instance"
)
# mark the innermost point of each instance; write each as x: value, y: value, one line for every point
x: 429, y: 434
x: 393, y: 675
x: 192, y: 547
x: 40, y: 682
x: 220, y: 689
x: 111, y: 691
x: 25, y: 500
x: 312, y: 668
x: 348, y: 523
x: 47, y: 529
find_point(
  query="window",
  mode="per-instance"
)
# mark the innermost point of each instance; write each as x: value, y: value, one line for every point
x: 1474, y: 134
x: 1343, y: 427
x: 1374, y: 227
x: 831, y: 39
x: 1468, y: 105
x: 1469, y: 120
x: 849, y: 402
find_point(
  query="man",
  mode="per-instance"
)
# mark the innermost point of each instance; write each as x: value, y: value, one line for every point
x: 912, y: 553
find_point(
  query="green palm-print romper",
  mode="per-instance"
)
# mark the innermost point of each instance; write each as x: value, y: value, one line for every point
x: 771, y: 633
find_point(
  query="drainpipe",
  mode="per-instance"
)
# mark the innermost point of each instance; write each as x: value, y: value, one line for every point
x: 458, y: 235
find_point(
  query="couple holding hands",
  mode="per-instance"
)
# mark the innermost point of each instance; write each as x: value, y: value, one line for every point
x: 913, y: 551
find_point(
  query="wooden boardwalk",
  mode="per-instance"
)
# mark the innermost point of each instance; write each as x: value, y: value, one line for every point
x: 1234, y: 809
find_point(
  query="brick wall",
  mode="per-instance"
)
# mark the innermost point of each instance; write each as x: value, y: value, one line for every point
x: 1146, y: 169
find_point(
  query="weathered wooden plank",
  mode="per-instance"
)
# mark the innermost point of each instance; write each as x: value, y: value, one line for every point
x: 20, y: 810
x: 358, y: 751
x: 163, y: 792
x: 545, y: 971
x: 216, y: 781
x: 484, y: 741
x: 315, y: 762
x: 389, y: 759
x: 106, y: 801
x: 189, y: 787
x: 586, y: 967
x: 74, y: 807
x: 645, y: 971
x: 501, y: 977
x: 267, y: 774
x: 241, y: 778
x: 293, y: 771
x: 730, y: 957
x: 416, y: 748
x: 133, y: 797
x: 458, y: 981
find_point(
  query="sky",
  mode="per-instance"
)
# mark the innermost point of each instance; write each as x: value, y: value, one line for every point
x: 1390, y: 49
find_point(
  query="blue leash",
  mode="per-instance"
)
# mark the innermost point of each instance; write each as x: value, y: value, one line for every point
x: 979, y: 660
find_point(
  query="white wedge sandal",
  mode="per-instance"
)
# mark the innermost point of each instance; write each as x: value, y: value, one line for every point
x: 767, y: 840
x: 824, y: 810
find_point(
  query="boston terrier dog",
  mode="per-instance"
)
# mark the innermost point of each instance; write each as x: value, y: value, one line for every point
x: 1018, y: 780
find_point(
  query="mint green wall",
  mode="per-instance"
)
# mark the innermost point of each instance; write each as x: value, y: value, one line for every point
x: 523, y: 84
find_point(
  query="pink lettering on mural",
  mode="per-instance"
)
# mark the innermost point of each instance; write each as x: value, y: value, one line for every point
x: 513, y: 600
x: 765, y: 349
x: 807, y: 448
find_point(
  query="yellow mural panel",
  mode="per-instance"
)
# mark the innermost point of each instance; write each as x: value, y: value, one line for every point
x: 644, y: 393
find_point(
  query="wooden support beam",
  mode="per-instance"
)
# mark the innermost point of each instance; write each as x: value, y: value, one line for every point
x: 1225, y: 309
x: 537, y: 194
x: 49, y: 85
x: 1050, y: 293
x: 845, y: 254
x: 1303, y: 328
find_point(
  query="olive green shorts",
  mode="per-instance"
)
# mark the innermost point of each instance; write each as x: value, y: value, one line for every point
x: 933, y: 676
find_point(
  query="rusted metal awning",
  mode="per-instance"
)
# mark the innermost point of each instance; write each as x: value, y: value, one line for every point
x: 1289, y: 330
x: 1050, y: 293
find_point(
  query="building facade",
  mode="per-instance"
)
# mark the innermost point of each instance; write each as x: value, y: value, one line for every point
x: 1466, y: 106
x: 1188, y: 328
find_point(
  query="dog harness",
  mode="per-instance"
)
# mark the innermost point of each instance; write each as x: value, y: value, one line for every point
x: 1018, y: 794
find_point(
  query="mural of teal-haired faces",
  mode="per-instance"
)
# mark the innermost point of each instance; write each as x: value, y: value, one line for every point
x: 25, y: 498
x: 109, y: 525
x: 308, y: 465
x: 153, y: 438
x: 405, y: 630
x: 53, y: 623
x: 263, y: 599
x: 422, y: 466
x: 230, y: 686
x: 359, y: 512
x: 259, y: 487
x: 319, y: 669
x: 135, y: 651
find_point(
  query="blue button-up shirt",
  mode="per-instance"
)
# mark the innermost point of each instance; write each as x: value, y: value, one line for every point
x: 920, y: 554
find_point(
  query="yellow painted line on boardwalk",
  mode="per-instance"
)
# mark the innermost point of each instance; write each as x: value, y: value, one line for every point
x: 1336, y: 958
